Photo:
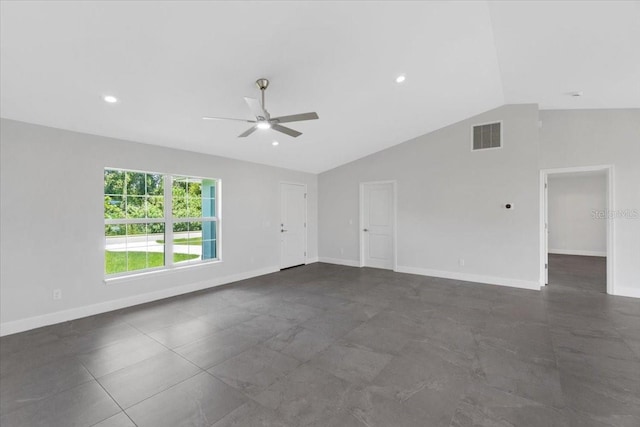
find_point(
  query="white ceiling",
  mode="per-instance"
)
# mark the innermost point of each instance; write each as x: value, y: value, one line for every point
x: 172, y: 62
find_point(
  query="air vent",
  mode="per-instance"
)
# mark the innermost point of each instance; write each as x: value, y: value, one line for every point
x: 487, y: 136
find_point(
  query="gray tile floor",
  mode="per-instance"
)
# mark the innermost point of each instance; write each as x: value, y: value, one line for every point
x: 326, y: 345
x: 578, y: 272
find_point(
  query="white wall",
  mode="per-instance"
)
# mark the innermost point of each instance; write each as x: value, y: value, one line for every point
x: 450, y: 206
x: 450, y: 202
x: 573, y: 229
x: 52, y: 223
x: 571, y: 138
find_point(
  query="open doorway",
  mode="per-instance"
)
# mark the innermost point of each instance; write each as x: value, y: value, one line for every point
x: 577, y: 229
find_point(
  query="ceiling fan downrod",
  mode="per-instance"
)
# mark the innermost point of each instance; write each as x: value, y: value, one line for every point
x: 262, y: 84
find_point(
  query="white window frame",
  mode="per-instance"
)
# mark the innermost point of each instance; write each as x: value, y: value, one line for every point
x: 169, y: 220
x: 168, y: 209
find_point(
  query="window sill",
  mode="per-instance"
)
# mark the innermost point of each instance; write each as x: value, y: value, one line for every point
x: 158, y: 273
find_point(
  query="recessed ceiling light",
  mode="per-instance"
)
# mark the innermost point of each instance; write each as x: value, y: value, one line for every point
x: 401, y: 78
x: 263, y: 125
x: 110, y: 99
x: 275, y: 143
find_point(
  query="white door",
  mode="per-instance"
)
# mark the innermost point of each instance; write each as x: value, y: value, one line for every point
x: 378, y: 225
x: 546, y: 230
x: 293, y: 227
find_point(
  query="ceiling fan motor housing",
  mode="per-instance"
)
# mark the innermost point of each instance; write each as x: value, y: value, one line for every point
x: 262, y: 84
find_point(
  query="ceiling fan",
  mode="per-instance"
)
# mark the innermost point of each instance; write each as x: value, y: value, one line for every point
x: 263, y: 118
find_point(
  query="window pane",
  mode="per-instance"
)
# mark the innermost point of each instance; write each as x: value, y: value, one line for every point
x: 155, y: 185
x: 115, y: 262
x: 155, y: 245
x: 209, y: 249
x: 155, y: 207
x: 209, y: 232
x: 193, y: 197
x: 113, y: 182
x: 156, y: 231
x: 136, y: 207
x: 194, y: 207
x: 187, y: 241
x: 209, y: 188
x: 114, y: 230
x: 115, y: 244
x: 195, y: 187
x: 208, y: 207
x: 136, y: 237
x: 179, y: 208
x: 208, y: 197
x: 136, y: 185
x: 195, y: 235
x: 133, y: 247
x: 114, y: 207
x: 179, y: 195
x: 181, y: 242
x: 179, y: 186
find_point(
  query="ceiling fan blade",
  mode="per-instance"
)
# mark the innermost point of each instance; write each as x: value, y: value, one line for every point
x: 296, y: 117
x: 248, y: 132
x: 256, y: 108
x: 288, y: 131
x: 227, y: 118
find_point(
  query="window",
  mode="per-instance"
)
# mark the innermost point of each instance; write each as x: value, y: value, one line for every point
x: 487, y: 136
x: 195, y: 222
x: 157, y: 221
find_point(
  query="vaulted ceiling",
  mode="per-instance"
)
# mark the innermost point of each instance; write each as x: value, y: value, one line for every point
x: 170, y: 63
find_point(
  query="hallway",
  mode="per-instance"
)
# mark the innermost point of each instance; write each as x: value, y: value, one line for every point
x: 585, y: 273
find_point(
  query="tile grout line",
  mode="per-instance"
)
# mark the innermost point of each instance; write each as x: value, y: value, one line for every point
x: 201, y: 370
x: 110, y: 396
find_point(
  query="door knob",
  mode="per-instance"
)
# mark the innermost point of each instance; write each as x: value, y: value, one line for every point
x: 365, y: 229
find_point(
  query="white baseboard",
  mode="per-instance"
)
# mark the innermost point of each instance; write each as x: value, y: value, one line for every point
x: 22, y: 325
x: 577, y: 252
x: 312, y: 260
x: 622, y: 291
x: 338, y: 261
x: 501, y: 281
x: 477, y: 278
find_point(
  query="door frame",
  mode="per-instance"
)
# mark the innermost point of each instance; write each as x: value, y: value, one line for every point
x: 544, y: 212
x: 306, y: 221
x: 395, y: 221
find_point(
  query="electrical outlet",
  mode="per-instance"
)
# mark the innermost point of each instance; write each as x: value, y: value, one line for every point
x: 57, y: 294
x: 341, y: 251
x: 461, y: 262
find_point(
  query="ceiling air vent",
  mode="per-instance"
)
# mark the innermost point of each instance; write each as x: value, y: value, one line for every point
x: 487, y: 136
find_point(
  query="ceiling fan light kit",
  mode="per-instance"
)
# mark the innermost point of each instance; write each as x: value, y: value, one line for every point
x: 263, y: 118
